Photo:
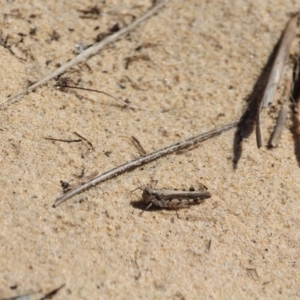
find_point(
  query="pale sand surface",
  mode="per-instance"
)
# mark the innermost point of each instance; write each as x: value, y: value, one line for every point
x: 204, y: 59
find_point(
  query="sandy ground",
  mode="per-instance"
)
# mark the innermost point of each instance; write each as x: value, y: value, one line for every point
x: 188, y: 69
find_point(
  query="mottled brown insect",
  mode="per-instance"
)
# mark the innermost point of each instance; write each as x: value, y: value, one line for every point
x: 173, y: 199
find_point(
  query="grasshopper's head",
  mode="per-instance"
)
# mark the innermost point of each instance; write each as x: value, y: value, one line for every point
x: 147, y: 195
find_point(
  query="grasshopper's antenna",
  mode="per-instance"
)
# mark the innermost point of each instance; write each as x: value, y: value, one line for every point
x: 138, y: 188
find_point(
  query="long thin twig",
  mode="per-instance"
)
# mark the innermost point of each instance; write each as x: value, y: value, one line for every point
x: 89, y: 52
x: 145, y: 159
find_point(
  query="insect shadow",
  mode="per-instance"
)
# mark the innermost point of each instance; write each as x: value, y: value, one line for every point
x: 141, y: 205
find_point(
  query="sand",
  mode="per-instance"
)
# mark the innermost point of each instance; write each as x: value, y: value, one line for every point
x: 188, y: 69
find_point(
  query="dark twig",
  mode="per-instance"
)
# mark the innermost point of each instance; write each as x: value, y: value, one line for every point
x: 82, y: 137
x: 138, y: 146
x: 61, y: 140
x: 52, y: 293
